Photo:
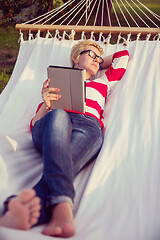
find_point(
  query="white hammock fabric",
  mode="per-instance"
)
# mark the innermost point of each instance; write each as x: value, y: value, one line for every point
x: 118, y: 197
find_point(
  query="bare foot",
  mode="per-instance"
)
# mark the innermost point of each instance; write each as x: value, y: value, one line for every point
x: 61, y: 224
x: 23, y: 211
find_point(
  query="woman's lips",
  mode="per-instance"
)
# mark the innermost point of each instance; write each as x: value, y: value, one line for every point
x: 95, y: 65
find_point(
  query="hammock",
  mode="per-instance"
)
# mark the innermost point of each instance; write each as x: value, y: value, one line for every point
x: 80, y: 19
x: 118, y: 196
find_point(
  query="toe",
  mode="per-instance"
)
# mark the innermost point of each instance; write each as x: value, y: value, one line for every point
x: 27, y: 195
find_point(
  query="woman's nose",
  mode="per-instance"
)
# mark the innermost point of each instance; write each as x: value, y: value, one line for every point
x: 95, y: 59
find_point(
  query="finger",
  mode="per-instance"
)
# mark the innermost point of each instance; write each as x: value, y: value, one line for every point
x: 45, y: 84
x: 48, y: 104
x: 51, y: 89
x: 47, y: 101
x: 54, y: 97
x: 47, y: 98
x: 46, y: 91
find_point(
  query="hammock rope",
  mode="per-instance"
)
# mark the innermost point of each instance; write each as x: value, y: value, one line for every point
x: 70, y: 13
x: 130, y: 14
x: 91, y: 11
x: 145, y: 15
x: 123, y: 14
x: 116, y: 15
x: 46, y: 15
x: 108, y: 12
x: 150, y: 11
x: 85, y: 12
x: 92, y: 17
x: 137, y: 14
x: 96, y: 14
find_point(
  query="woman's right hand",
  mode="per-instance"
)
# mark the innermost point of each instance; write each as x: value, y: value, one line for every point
x: 49, y: 93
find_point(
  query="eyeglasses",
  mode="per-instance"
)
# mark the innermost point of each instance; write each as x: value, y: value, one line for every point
x: 93, y: 55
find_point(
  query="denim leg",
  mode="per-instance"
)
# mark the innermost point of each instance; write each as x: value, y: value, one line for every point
x: 51, y: 136
x: 68, y: 142
x: 86, y: 140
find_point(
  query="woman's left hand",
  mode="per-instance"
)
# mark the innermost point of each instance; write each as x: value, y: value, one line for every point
x: 48, y: 93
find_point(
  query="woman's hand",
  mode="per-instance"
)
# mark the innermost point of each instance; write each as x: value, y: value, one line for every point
x: 49, y: 93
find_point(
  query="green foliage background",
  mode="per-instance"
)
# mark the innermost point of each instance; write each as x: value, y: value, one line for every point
x: 12, y: 11
x: 25, y: 9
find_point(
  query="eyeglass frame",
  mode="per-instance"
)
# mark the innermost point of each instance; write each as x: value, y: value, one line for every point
x: 96, y: 56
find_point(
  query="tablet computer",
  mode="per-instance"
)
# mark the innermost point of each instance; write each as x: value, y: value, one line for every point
x: 71, y: 82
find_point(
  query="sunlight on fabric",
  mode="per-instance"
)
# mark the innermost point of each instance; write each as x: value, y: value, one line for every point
x: 13, y: 143
x: 28, y: 74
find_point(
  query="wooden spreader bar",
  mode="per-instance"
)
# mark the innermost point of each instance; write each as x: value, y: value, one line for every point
x: 86, y: 29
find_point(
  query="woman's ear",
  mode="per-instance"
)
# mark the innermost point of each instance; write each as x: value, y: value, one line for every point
x: 76, y: 60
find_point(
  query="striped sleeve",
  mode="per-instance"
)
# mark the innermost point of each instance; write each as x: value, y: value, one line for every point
x: 118, y: 67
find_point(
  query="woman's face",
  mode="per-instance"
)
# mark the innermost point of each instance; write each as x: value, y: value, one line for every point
x: 85, y: 61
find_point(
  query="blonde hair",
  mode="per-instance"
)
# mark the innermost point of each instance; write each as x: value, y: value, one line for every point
x: 81, y: 46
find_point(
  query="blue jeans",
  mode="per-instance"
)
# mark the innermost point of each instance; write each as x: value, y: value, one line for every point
x: 67, y: 142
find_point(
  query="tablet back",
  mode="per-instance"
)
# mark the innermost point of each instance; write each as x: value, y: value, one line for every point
x: 71, y: 82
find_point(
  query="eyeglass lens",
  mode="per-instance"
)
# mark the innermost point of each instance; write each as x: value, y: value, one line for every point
x: 95, y: 56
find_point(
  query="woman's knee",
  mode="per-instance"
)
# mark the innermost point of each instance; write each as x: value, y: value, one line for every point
x: 58, y: 117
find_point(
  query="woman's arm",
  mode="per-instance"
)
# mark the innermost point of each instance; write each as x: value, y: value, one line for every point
x: 107, y: 62
x: 47, y: 95
x: 41, y: 113
x: 119, y: 64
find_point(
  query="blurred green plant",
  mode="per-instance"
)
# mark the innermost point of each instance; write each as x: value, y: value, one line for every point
x: 57, y: 3
x: 4, y: 77
x: 9, y: 38
x: 8, y: 52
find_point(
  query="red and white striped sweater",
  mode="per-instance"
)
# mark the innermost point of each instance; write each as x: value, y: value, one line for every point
x: 97, y: 90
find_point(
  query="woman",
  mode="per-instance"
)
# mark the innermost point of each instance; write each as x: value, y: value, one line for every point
x: 68, y: 141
